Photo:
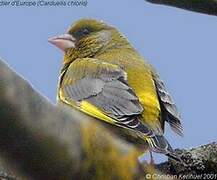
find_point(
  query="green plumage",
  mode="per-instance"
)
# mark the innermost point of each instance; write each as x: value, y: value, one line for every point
x: 104, y: 76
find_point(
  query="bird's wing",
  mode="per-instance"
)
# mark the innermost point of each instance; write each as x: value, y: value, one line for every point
x: 169, y: 109
x: 101, y: 90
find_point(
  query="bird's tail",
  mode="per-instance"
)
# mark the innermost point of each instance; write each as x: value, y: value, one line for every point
x: 160, y: 145
x: 157, y: 143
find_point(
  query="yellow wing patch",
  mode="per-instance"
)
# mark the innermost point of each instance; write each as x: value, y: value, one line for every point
x: 92, y: 110
x: 87, y: 108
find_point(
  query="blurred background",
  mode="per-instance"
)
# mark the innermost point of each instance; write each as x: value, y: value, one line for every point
x: 182, y: 46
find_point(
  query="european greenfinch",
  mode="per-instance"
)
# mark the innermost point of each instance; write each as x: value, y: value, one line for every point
x: 105, y: 77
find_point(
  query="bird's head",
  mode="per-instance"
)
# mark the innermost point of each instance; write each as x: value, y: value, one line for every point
x: 84, y: 38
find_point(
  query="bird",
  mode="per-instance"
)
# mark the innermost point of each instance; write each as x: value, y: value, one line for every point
x: 104, y: 76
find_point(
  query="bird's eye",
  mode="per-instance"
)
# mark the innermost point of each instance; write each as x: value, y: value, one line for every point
x: 82, y: 32
x: 85, y: 31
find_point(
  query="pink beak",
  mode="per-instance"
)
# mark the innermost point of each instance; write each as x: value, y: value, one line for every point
x: 64, y: 41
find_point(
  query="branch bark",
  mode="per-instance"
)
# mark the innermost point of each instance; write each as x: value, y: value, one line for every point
x: 202, y: 6
x: 201, y: 162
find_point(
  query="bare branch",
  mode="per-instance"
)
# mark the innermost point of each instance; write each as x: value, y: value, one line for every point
x: 202, y: 6
x: 200, y: 161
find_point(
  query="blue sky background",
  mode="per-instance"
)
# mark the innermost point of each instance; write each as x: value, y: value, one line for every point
x: 180, y: 44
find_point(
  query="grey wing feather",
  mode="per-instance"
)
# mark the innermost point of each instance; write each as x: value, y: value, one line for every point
x: 117, y: 101
x: 170, y: 112
x: 114, y: 97
x: 108, y: 90
x: 84, y: 88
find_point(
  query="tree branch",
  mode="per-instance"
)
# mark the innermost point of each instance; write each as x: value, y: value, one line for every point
x: 202, y: 6
x: 200, y: 162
